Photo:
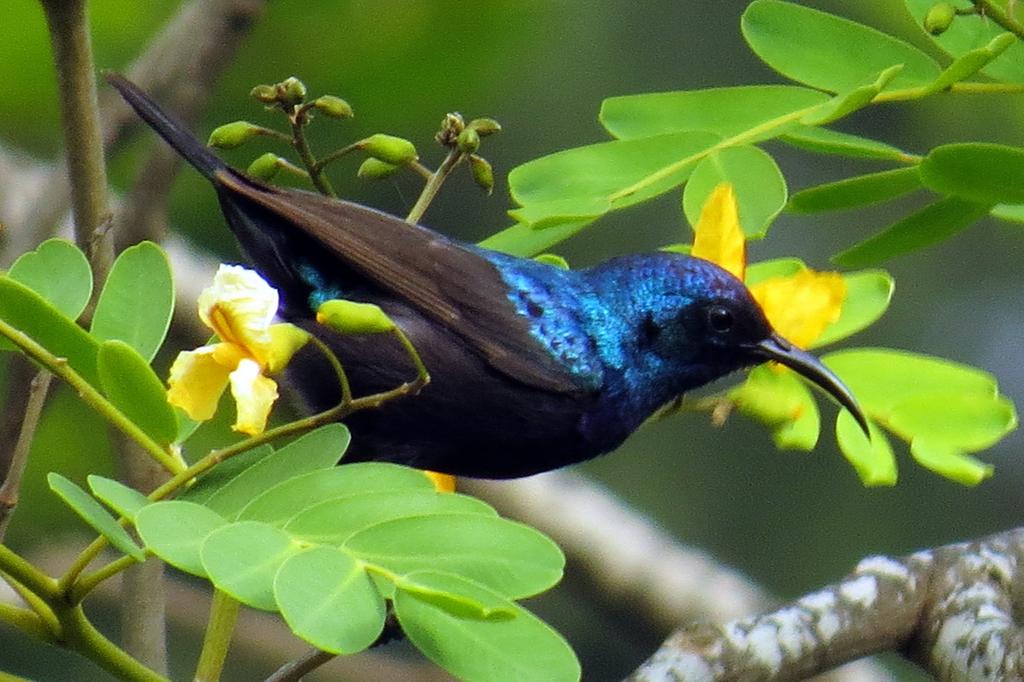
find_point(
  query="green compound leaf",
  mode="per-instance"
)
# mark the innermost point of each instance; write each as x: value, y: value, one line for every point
x: 973, y: 33
x: 829, y: 52
x: 288, y: 498
x: 175, y: 530
x: 319, y: 449
x: 873, y: 460
x: 90, y: 511
x: 833, y: 142
x: 69, y: 293
x: 132, y: 386
x: 242, y: 559
x: 483, y: 649
x: 868, y: 294
x: 508, y: 557
x: 28, y: 312
x: 943, y: 409
x: 334, y: 521
x: 851, y: 100
x: 137, y: 300
x: 980, y: 172
x: 862, y: 190
x: 928, y: 226
x: 576, y: 182
x: 770, y: 109
x: 124, y: 500
x: 220, y: 475
x: 329, y: 600
x: 784, y: 403
x: 758, y: 183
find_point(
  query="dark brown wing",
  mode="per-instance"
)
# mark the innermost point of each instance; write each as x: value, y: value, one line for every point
x: 444, y: 281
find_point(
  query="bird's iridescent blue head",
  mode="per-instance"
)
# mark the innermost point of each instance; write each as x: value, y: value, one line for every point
x: 723, y: 329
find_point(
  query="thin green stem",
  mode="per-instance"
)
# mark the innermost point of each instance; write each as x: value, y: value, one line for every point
x: 27, y: 621
x: 19, y: 458
x: 1000, y: 16
x: 273, y: 134
x: 90, y: 396
x: 319, y: 166
x: 423, y: 375
x: 80, y: 635
x: 434, y: 183
x: 87, y: 583
x: 34, y: 602
x: 420, y: 169
x: 223, y: 614
x: 28, y: 575
x: 296, y: 670
x: 316, y: 176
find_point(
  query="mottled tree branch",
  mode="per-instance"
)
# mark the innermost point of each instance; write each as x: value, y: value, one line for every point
x: 952, y: 610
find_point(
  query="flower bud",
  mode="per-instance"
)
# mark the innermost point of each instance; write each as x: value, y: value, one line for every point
x: 291, y: 91
x: 332, y: 106
x: 373, y: 169
x: 390, y: 149
x: 468, y: 141
x: 485, y: 126
x: 939, y: 18
x: 267, y: 94
x: 349, y: 317
x: 265, y: 166
x: 451, y: 126
x: 483, y: 174
x: 234, y: 134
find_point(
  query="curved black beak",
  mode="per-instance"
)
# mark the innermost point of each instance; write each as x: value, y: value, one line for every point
x: 782, y: 351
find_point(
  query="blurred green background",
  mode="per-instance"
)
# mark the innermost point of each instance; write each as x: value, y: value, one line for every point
x: 792, y: 521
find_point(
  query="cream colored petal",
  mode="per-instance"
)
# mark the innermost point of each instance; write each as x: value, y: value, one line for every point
x: 239, y: 306
x: 286, y: 340
x: 197, y: 381
x: 254, y: 396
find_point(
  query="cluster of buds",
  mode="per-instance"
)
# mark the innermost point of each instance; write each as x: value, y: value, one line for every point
x: 455, y: 133
x: 290, y: 96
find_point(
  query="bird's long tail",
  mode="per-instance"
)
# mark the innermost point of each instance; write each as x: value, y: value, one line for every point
x: 172, y: 130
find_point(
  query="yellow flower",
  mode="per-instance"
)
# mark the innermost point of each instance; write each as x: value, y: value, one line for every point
x: 239, y: 308
x: 800, y: 306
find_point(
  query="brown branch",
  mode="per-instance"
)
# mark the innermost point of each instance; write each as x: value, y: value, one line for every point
x: 951, y: 610
x: 38, y: 388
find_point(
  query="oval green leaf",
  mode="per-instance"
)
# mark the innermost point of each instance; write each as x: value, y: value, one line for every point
x: 930, y: 225
x: 867, y: 298
x: 98, y: 518
x: 29, y: 313
x: 124, y: 500
x: 861, y: 190
x: 980, y: 172
x: 484, y: 649
x: 758, y: 183
x: 949, y: 462
x: 829, y: 52
x: 777, y: 267
x: 508, y: 557
x: 219, y: 476
x: 569, y: 184
x: 954, y: 421
x: 524, y: 241
x: 327, y: 599
x: 69, y: 293
x: 783, y: 402
x: 334, y: 521
x: 970, y: 62
x: 131, y: 385
x: 242, y: 559
x: 850, y: 101
x: 826, y: 141
x: 288, y: 498
x: 175, y: 531
x: 771, y: 109
x: 319, y: 449
x: 137, y: 300
x: 873, y: 460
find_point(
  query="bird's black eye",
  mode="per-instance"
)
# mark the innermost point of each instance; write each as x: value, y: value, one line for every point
x: 720, y: 319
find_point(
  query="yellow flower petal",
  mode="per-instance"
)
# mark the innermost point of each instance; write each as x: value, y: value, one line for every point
x: 254, y: 396
x: 443, y: 483
x: 197, y: 381
x: 285, y: 341
x: 240, y: 307
x: 800, y: 306
x: 717, y: 235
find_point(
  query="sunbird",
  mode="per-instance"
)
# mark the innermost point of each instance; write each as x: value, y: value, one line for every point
x: 533, y: 367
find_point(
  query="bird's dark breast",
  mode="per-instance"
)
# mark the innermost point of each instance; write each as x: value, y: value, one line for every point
x: 471, y: 420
